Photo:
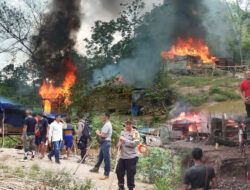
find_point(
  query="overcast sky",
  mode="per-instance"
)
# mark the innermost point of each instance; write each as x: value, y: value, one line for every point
x: 92, y: 10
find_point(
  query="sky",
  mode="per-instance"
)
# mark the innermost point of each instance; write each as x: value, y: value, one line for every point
x: 92, y: 10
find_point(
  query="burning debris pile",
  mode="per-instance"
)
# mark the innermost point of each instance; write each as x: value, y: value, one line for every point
x: 189, y: 122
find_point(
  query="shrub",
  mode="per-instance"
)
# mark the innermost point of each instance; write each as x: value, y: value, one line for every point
x: 196, y: 100
x: 220, y: 98
x: 9, y: 143
x: 160, y: 167
x: 228, y: 94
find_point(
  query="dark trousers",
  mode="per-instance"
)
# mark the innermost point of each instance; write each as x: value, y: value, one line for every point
x: 83, y: 148
x: 248, y: 110
x: 129, y: 166
x: 104, y: 155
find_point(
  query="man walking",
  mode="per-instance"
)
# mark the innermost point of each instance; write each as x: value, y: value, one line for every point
x: 129, y: 140
x: 68, y: 132
x: 81, y: 141
x: 245, y: 92
x: 56, y: 136
x: 28, y: 135
x: 43, y: 128
x: 200, y: 175
x: 106, y: 133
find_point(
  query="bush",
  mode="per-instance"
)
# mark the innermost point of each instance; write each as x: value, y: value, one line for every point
x: 226, y: 93
x: 220, y: 98
x: 196, y: 100
x: 9, y: 143
x: 160, y: 167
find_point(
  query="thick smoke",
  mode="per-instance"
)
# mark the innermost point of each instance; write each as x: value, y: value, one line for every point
x: 219, y: 28
x: 175, y: 18
x: 56, y: 37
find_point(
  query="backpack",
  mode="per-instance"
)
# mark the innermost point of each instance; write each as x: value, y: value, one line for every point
x: 86, y: 132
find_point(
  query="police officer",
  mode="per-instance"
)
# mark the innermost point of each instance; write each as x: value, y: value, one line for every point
x: 128, y: 142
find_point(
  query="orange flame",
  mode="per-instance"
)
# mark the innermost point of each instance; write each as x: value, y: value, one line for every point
x: 50, y: 93
x: 193, y: 120
x: 120, y: 78
x: 192, y: 47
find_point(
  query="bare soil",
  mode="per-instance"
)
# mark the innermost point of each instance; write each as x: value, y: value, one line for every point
x: 230, y: 167
x: 13, y: 158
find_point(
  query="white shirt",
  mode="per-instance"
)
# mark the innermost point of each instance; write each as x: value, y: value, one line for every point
x: 56, y: 131
x: 240, y: 135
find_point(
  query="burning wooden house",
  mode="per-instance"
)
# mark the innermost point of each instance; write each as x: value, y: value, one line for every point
x: 189, y: 123
x: 187, y: 54
x: 54, y: 97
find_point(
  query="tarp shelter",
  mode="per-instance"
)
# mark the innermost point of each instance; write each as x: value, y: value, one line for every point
x: 13, y: 114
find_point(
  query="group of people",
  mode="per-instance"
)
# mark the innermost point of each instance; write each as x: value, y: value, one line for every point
x: 38, y: 135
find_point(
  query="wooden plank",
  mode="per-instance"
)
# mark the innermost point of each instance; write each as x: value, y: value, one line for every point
x: 223, y: 126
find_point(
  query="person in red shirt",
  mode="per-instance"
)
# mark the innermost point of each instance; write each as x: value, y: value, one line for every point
x: 245, y: 92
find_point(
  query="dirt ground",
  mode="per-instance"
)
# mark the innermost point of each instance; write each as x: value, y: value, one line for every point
x: 230, y: 167
x: 13, y: 158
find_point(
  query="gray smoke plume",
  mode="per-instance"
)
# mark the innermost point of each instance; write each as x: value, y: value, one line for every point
x: 175, y: 18
x: 55, y: 39
x: 219, y: 28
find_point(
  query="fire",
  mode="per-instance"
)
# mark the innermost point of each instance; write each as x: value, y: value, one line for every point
x: 120, y: 79
x: 191, y: 119
x: 191, y: 47
x: 187, y: 117
x: 50, y: 93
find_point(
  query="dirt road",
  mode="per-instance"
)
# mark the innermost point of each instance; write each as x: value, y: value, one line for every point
x: 13, y: 157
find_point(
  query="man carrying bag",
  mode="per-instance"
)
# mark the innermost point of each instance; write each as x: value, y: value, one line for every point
x: 104, y: 138
x: 83, y: 134
x: 200, y: 175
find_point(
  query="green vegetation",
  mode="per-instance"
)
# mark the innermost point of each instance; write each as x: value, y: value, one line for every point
x: 9, y: 143
x: 227, y: 94
x: 194, y: 81
x: 199, y: 90
x: 196, y: 100
x: 198, y: 82
x: 47, y: 179
x: 160, y: 167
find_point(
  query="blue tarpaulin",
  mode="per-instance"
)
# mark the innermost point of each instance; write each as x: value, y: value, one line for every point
x: 14, y: 114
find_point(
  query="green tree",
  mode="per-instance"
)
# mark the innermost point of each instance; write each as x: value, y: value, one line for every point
x: 16, y: 84
x: 113, y: 40
x: 240, y: 16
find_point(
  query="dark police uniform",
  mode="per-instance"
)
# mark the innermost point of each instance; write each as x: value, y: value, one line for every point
x: 128, y: 159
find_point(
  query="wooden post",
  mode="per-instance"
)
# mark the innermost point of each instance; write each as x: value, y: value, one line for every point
x: 234, y: 71
x: 197, y: 132
x: 3, y: 128
x: 223, y: 126
x: 211, y: 131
